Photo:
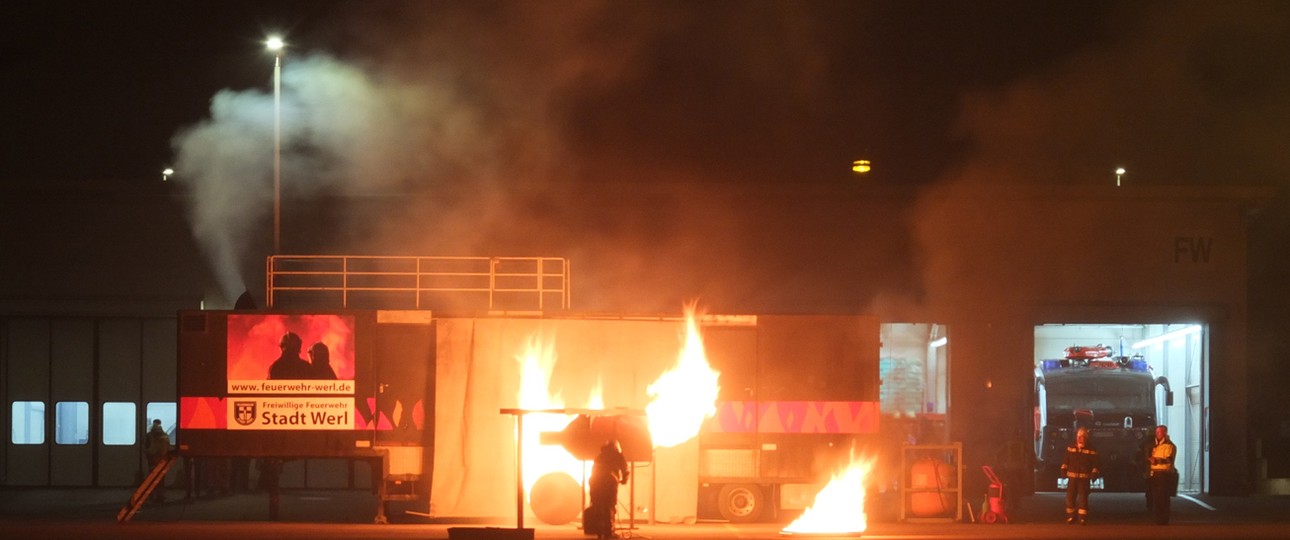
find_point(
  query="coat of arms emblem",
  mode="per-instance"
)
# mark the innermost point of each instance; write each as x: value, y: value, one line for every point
x: 244, y: 412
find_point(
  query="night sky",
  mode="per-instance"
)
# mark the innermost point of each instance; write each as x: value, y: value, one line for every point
x: 457, y: 121
x: 741, y: 89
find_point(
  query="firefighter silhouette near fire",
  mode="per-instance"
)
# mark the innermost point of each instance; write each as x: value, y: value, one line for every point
x: 607, y: 472
x: 290, y: 365
x: 320, y: 362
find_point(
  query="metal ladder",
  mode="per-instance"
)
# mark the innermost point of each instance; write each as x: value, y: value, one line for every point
x: 154, y: 479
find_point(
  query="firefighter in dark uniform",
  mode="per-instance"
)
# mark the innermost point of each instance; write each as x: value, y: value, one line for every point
x: 607, y: 472
x: 1162, y: 475
x: 1080, y: 468
x: 156, y: 445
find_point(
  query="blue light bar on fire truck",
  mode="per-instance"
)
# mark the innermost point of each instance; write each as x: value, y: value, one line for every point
x: 1135, y: 363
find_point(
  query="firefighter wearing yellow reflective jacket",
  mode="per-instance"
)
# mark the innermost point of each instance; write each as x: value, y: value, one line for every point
x: 1163, y: 477
x: 1080, y: 468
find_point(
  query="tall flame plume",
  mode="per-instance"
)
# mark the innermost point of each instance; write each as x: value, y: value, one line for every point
x: 537, y: 362
x: 686, y: 395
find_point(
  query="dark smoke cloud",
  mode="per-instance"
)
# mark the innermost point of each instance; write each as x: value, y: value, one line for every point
x: 513, y: 129
x: 638, y: 139
x: 1185, y: 93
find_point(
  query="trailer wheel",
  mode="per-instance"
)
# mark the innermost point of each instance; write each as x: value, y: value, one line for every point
x: 741, y: 503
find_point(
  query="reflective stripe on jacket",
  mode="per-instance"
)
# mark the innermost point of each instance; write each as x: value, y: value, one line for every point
x: 1080, y: 462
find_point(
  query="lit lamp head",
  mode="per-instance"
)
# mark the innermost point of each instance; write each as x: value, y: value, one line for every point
x: 274, y: 45
x: 861, y: 166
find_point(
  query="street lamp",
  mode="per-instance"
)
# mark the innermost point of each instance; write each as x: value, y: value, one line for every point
x: 1118, y: 173
x: 275, y: 45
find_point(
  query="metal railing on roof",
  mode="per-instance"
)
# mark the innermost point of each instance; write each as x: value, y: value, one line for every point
x: 383, y: 282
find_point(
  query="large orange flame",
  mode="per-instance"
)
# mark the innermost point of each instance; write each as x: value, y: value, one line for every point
x: 537, y: 362
x: 839, y: 507
x: 684, y: 396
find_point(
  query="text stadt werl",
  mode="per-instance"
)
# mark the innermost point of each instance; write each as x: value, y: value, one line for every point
x: 318, y: 418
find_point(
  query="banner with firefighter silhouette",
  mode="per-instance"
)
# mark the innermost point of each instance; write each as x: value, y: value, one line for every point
x: 303, y: 383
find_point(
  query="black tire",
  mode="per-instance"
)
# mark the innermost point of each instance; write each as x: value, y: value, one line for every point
x: 741, y: 503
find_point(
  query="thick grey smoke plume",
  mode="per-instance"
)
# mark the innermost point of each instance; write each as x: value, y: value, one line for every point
x: 507, y: 129
x: 343, y: 130
x: 639, y: 140
x: 224, y: 160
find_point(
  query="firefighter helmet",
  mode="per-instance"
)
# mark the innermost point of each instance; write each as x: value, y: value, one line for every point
x: 290, y: 342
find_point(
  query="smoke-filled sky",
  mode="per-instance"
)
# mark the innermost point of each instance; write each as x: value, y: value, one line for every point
x: 618, y: 133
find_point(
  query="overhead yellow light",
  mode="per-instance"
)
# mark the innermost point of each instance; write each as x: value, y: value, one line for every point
x: 861, y: 166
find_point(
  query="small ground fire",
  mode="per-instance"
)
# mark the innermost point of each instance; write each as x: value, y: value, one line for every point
x: 838, y: 507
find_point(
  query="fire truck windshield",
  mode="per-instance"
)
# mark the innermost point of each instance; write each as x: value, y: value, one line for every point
x: 1099, y: 394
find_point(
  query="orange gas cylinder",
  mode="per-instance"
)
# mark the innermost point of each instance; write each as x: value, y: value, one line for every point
x: 933, y: 483
x: 556, y: 498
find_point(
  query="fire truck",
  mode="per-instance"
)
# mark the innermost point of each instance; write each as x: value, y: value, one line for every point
x: 1113, y: 397
x: 422, y: 394
x: 795, y: 392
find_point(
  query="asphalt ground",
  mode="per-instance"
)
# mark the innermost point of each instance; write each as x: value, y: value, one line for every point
x: 91, y: 514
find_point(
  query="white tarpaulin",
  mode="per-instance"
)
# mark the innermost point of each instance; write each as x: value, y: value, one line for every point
x: 478, y: 374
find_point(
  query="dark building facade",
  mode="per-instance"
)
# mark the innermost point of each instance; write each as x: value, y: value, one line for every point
x: 991, y: 263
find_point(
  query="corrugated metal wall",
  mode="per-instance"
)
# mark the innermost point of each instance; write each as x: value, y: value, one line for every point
x: 81, y: 362
x: 77, y: 360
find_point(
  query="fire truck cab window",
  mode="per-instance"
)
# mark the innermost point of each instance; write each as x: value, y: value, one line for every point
x: 1098, y: 395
